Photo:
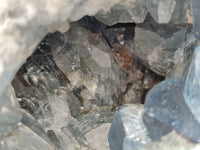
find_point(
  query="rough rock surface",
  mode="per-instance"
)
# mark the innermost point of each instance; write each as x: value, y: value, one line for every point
x: 28, y: 25
x: 83, y: 91
x: 69, y: 88
x: 22, y: 28
x: 56, y: 105
x: 10, y: 114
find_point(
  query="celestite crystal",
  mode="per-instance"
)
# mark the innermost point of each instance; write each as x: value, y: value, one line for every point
x: 127, y: 129
x: 192, y: 85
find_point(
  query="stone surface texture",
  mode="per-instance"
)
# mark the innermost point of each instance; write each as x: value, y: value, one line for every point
x: 10, y: 112
x: 22, y: 27
x: 69, y: 87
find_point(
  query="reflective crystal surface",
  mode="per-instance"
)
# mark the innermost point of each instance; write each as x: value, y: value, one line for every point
x: 127, y: 129
x: 192, y: 85
x: 66, y: 93
x: 166, y: 109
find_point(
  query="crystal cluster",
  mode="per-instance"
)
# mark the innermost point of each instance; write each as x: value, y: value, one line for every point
x: 83, y: 85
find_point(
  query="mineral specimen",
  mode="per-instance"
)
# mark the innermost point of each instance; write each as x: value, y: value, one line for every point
x: 136, y: 12
x: 154, y: 51
x: 69, y: 87
x: 127, y: 129
x: 165, y: 103
x: 192, y: 85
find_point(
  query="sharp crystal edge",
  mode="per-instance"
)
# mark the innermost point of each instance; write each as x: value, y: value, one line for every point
x: 192, y: 85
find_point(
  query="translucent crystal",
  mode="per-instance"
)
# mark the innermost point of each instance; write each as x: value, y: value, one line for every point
x: 134, y: 12
x: 89, y: 66
x: 170, y: 10
x: 88, y: 124
x: 154, y: 50
x: 165, y: 109
x: 192, y: 85
x: 24, y: 138
x: 161, y: 10
x: 97, y: 138
x: 127, y: 129
x: 172, y: 141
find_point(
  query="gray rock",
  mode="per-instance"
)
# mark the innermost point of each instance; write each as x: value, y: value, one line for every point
x: 161, y: 59
x: 28, y: 22
x: 87, y: 125
x: 183, y: 12
x: 178, y: 11
x: 97, y: 138
x: 22, y: 27
x: 154, y: 51
x: 131, y: 11
x: 134, y: 93
x: 10, y: 113
x: 44, y: 92
x: 66, y: 140
x: 41, y: 20
x: 24, y: 138
x: 41, y: 92
x: 89, y: 66
x: 33, y: 125
x: 182, y: 58
x: 145, y: 42
x: 161, y: 10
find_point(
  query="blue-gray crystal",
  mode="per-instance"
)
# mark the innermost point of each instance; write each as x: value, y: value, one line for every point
x: 196, y: 17
x: 165, y: 103
x: 155, y: 128
x: 192, y: 85
x: 127, y: 129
